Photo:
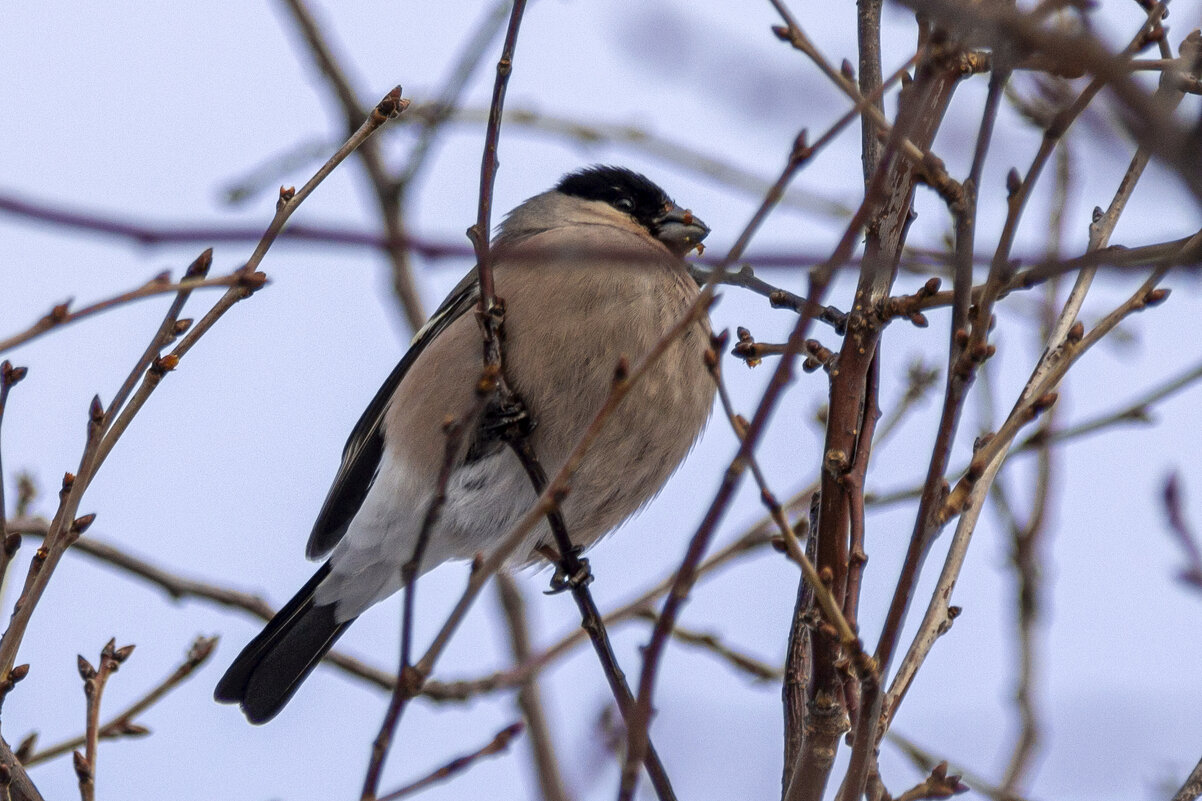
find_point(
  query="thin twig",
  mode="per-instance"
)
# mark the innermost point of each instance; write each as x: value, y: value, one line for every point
x: 497, y: 745
x: 926, y: 761
x: 966, y: 499
x: 387, y: 190
x: 124, y: 723
x: 407, y: 683
x: 94, y: 681
x: 9, y: 377
x: 757, y: 669
x: 1184, y: 533
x: 431, y: 117
x: 62, y: 315
x: 103, y: 430
x: 480, y: 232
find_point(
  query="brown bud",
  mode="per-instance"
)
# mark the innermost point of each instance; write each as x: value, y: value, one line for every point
x: 165, y: 364
x: 1076, y: 332
x: 10, y: 375
x: 1157, y: 296
x: 1013, y: 182
x: 849, y: 72
x: 61, y: 312
x: 801, y: 147
x: 81, y: 524
x: 1044, y: 402
x: 162, y: 278
x: 253, y: 281
x: 122, y: 653
x: 83, y: 769
x: 741, y: 425
x: 134, y: 730
x: 19, y: 672
x: 86, y: 671
x: 200, y: 267
x: 96, y: 409
x: 181, y: 325
x: 391, y: 105
x: 201, y: 649
x: 25, y: 749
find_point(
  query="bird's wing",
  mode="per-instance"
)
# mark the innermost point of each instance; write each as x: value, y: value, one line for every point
x: 365, y: 447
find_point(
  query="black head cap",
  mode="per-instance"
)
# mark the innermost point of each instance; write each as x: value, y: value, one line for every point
x: 625, y: 190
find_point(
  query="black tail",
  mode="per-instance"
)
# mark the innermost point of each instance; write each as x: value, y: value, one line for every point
x: 273, y: 665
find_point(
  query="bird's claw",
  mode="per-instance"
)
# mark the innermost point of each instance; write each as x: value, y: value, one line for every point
x: 507, y: 420
x: 562, y: 580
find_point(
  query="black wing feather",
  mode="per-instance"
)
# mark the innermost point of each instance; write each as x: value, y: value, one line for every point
x: 365, y: 446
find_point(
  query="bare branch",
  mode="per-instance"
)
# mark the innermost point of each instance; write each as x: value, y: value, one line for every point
x: 497, y: 745
x: 124, y: 724
x: 542, y: 743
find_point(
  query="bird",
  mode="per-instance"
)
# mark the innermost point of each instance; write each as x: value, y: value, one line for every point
x: 591, y: 272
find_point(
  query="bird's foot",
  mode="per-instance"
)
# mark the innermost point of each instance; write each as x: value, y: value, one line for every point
x: 581, y: 575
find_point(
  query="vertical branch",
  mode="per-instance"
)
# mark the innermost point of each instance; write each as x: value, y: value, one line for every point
x: 470, y: 56
x: 959, y: 378
x: 542, y: 744
x: 9, y: 377
x: 576, y: 578
x: 868, y: 32
x: 480, y: 232
x: 1027, y: 556
x: 1064, y: 345
x: 94, y: 681
x: 889, y: 196
x: 686, y: 575
x: 795, y: 686
x: 857, y: 556
x: 409, y: 680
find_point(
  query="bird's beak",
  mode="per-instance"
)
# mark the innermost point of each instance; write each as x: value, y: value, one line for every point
x: 679, y: 229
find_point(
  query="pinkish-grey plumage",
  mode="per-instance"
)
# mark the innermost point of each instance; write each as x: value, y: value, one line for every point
x: 590, y: 272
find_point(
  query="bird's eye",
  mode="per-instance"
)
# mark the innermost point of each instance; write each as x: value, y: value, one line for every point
x: 624, y: 204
